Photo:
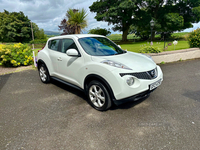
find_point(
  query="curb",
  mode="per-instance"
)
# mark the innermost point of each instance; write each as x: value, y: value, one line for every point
x: 172, y: 56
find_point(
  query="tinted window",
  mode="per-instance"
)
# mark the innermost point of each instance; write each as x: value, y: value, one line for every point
x: 68, y: 44
x: 99, y: 46
x: 53, y: 44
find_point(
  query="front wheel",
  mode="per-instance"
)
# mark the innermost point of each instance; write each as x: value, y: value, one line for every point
x: 44, y: 74
x: 98, y: 96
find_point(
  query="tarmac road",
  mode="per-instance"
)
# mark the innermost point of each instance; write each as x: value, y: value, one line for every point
x: 53, y: 116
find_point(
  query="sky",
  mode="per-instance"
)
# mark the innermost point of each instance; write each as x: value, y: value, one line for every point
x: 47, y: 14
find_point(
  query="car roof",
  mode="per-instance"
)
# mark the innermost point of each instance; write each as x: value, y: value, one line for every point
x: 75, y: 35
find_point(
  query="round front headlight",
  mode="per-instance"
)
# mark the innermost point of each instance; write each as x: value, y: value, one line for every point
x: 130, y: 81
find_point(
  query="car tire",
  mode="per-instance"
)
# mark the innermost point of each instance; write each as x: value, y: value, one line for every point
x: 98, y: 96
x: 44, y: 73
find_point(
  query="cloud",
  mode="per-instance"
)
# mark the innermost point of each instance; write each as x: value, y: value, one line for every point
x: 47, y: 14
x: 195, y: 26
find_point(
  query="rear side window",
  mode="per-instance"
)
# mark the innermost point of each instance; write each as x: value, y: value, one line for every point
x: 53, y: 45
x: 68, y: 44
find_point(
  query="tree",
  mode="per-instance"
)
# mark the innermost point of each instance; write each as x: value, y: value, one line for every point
x: 38, y: 33
x: 169, y: 15
x: 75, y: 23
x: 99, y: 31
x: 66, y: 28
x: 138, y: 31
x: 14, y: 27
x: 118, y: 13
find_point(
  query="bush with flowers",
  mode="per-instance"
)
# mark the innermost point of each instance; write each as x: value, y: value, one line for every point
x: 194, y: 38
x: 15, y: 55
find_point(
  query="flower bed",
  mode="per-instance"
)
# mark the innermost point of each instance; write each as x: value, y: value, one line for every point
x: 15, y: 55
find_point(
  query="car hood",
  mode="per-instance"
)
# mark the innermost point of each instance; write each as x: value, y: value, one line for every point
x: 136, y: 62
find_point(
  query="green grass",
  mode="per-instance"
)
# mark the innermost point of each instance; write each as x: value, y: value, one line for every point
x: 118, y: 37
x: 135, y: 47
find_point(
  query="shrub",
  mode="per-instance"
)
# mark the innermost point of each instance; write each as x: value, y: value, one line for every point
x: 194, y: 38
x: 150, y: 49
x: 99, y: 31
x: 15, y: 55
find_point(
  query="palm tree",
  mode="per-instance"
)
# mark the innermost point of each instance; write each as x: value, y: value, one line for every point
x: 77, y: 19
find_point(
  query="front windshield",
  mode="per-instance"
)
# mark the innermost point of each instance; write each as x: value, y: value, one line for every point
x: 99, y: 46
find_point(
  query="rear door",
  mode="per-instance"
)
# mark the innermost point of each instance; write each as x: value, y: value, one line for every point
x: 55, y: 54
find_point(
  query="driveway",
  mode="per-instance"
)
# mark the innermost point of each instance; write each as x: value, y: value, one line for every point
x: 39, y: 116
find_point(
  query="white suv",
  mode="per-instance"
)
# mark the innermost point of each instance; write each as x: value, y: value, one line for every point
x: 100, y: 68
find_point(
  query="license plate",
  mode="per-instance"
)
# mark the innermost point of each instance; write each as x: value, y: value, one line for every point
x: 155, y: 84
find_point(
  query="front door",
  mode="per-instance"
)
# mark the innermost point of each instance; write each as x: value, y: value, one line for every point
x: 68, y: 66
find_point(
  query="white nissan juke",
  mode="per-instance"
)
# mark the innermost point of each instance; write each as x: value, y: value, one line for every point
x: 100, y: 68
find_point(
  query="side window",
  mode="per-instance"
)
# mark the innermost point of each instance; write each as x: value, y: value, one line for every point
x: 53, y: 45
x: 68, y: 44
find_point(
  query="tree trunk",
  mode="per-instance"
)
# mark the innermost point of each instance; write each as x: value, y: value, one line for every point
x: 124, y: 35
x: 76, y: 29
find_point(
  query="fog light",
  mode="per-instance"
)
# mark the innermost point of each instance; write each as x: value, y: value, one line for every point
x: 130, y: 81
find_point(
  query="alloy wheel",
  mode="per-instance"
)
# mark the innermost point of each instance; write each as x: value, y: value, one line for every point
x: 43, y: 74
x: 97, y: 96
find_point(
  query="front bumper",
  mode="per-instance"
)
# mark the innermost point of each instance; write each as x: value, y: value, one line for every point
x: 139, y: 89
x: 136, y: 97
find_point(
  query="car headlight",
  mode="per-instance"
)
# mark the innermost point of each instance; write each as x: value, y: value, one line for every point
x: 130, y: 81
x: 115, y: 64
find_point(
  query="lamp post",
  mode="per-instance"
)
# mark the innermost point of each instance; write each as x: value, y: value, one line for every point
x: 152, y: 23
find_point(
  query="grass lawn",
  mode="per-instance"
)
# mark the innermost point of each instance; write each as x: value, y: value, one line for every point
x: 135, y: 47
x: 118, y: 37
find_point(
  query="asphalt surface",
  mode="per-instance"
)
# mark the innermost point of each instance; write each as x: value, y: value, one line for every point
x: 52, y: 116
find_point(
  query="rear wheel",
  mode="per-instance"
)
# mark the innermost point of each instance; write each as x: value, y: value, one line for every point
x: 98, y: 96
x: 44, y: 74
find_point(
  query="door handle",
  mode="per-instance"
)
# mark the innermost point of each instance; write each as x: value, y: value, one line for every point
x: 59, y: 59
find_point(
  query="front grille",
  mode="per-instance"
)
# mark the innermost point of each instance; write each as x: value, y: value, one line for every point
x: 148, y: 75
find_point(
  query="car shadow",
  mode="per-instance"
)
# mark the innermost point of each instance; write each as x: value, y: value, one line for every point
x: 82, y: 95
x: 70, y: 89
x: 128, y: 105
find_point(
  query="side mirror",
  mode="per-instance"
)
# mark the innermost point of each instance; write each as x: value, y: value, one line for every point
x: 73, y: 53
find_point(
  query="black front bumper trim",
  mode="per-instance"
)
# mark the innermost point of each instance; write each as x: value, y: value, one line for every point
x: 133, y: 98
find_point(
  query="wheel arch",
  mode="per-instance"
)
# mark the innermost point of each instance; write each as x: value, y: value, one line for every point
x: 39, y: 62
x: 91, y: 77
